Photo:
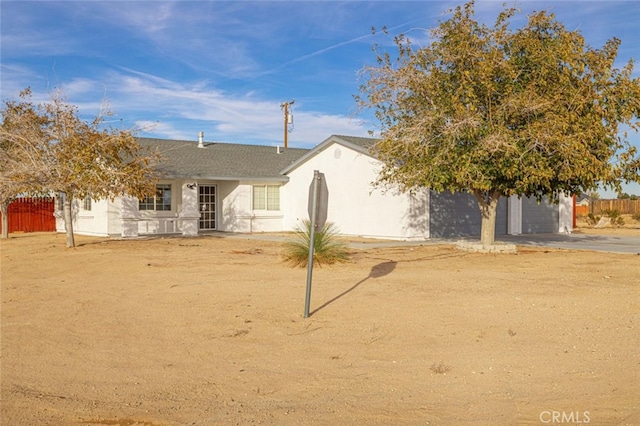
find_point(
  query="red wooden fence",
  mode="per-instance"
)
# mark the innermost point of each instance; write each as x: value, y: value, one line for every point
x: 582, y: 210
x: 32, y: 215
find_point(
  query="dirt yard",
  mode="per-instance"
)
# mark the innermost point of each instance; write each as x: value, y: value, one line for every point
x: 210, y: 331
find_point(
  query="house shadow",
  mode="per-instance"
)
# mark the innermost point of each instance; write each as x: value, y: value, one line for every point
x: 377, y: 271
x: 457, y: 215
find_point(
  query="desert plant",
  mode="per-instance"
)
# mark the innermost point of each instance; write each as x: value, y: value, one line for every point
x: 615, y: 217
x: 327, y: 250
x: 636, y: 217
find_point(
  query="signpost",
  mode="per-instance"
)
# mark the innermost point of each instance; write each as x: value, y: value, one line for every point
x: 317, y: 208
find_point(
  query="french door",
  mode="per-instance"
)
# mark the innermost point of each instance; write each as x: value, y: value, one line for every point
x: 207, y: 201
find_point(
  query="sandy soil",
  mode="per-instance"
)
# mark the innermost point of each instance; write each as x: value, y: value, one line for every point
x: 210, y: 331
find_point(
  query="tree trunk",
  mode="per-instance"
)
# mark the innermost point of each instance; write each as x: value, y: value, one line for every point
x: 488, y: 203
x: 4, y: 208
x: 68, y: 220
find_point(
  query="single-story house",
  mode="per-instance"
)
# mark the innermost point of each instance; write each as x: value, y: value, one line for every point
x: 583, y: 200
x: 250, y: 188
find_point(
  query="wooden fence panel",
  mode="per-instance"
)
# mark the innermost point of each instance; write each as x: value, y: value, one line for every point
x: 32, y: 215
x: 582, y: 210
x: 624, y: 206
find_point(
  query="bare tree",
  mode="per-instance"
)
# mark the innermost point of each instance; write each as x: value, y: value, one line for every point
x: 75, y: 158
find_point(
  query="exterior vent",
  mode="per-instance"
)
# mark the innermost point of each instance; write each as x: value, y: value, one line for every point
x: 201, y: 140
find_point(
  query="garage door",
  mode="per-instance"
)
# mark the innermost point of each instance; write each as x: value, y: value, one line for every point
x: 539, y: 218
x: 458, y: 215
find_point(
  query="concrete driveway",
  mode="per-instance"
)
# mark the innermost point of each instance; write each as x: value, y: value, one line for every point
x: 606, y: 243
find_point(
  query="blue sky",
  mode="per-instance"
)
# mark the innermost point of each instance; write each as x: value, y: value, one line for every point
x: 176, y: 68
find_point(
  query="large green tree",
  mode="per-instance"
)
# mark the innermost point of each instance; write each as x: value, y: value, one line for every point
x: 72, y: 157
x: 497, y: 111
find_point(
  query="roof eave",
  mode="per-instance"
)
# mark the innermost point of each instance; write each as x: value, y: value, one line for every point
x: 320, y: 147
x: 226, y: 178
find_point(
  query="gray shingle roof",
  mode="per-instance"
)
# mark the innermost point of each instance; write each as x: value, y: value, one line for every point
x: 365, y: 143
x: 222, y: 161
x: 357, y: 143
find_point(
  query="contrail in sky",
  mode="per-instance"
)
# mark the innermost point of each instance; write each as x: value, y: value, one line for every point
x: 326, y: 49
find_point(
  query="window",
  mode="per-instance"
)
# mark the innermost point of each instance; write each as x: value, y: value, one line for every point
x: 266, y: 197
x: 86, y: 203
x: 161, y: 201
x: 60, y: 201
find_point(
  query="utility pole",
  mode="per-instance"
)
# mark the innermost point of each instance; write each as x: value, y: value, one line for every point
x: 288, y: 119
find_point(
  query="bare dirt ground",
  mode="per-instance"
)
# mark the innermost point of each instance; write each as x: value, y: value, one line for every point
x: 210, y: 331
x: 631, y: 227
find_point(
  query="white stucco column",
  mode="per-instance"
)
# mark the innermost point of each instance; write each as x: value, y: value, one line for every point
x: 514, y: 209
x: 189, y: 213
x: 565, y: 216
x: 130, y: 216
x: 417, y: 220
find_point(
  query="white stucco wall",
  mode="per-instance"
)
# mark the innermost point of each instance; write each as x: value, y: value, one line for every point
x: 355, y: 206
x: 236, y: 212
x: 566, y: 213
x: 234, y: 207
x: 96, y: 221
x: 114, y: 221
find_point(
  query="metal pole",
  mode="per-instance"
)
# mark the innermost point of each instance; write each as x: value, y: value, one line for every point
x: 312, y: 239
x: 286, y: 114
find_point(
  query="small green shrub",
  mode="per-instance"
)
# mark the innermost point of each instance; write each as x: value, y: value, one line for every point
x: 327, y: 250
x: 592, y: 219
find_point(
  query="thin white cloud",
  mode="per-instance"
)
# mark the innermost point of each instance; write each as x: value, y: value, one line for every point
x: 36, y: 44
x: 167, y: 130
x: 78, y: 87
x: 180, y: 110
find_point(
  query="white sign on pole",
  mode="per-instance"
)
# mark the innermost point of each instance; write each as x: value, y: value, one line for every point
x: 318, y: 200
x: 321, y: 199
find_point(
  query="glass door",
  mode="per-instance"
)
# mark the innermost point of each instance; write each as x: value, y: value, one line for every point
x: 207, y: 200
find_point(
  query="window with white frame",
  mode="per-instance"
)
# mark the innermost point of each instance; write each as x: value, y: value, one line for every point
x: 161, y: 201
x: 266, y: 197
x: 86, y: 203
